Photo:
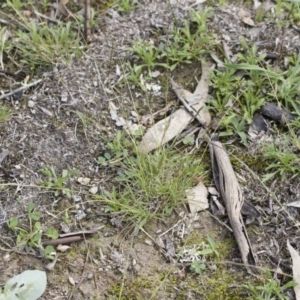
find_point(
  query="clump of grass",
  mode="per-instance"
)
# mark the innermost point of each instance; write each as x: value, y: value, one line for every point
x: 186, y: 44
x: 46, y: 46
x: 55, y: 182
x: 5, y: 113
x: 40, y: 45
x: 127, y: 6
x: 152, y: 185
x: 269, y: 289
x: 282, y: 158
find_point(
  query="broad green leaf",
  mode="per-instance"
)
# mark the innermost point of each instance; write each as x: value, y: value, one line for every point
x: 30, y: 207
x: 48, y: 250
x: 205, y: 251
x: 64, y: 173
x: 37, y: 226
x: 107, y: 155
x: 52, y: 233
x: 13, y: 222
x: 35, y: 215
x: 198, y: 267
x: 268, y: 176
x: 29, y: 285
x: 211, y: 242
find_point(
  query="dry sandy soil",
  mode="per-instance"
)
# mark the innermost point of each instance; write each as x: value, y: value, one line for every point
x: 46, y: 129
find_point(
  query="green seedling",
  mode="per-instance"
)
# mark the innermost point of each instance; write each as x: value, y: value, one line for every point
x: 93, y: 20
x: 16, y: 4
x: 32, y: 234
x: 118, y: 149
x: 5, y: 113
x: 186, y: 44
x: 282, y: 160
x: 199, y: 254
x: 85, y: 120
x: 149, y: 54
x: 128, y: 5
x: 135, y: 75
x: 112, y: 159
x: 272, y: 289
x: 57, y: 183
x: 188, y: 140
x: 189, y: 44
x: 237, y: 98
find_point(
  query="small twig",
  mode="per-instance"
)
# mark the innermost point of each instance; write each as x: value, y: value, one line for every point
x: 87, y: 25
x: 171, y: 228
x: 20, y: 89
x: 148, y: 235
x: 3, y: 154
x: 222, y: 223
x: 226, y: 50
x: 13, y: 24
x: 62, y: 241
x: 82, y: 277
x: 82, y: 232
x: 46, y: 17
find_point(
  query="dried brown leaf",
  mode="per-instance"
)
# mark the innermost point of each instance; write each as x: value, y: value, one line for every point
x: 194, y: 103
x: 245, y: 17
x: 165, y: 130
x: 296, y: 268
x: 197, y: 198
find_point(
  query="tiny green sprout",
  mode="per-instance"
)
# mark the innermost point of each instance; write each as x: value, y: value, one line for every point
x: 101, y: 160
x: 197, y: 267
x: 271, y: 289
x: 188, y: 140
x: 49, y: 252
x: 213, y: 245
x: 33, y: 214
x: 52, y: 233
x: 31, y: 235
x: 128, y: 5
x: 57, y: 183
x: 13, y: 223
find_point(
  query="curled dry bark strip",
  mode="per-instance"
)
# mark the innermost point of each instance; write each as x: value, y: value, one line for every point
x: 3, y: 155
x: 69, y: 238
x: 229, y: 188
x: 63, y: 241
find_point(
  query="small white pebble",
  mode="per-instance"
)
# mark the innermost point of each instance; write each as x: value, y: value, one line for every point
x: 93, y: 190
x: 31, y: 103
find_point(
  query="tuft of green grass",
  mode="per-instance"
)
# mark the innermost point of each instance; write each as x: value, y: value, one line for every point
x: 270, y: 289
x: 5, y: 113
x: 282, y: 157
x: 40, y: 45
x: 57, y: 183
x: 149, y: 186
x: 185, y: 45
x: 127, y: 6
x: 236, y: 97
x: 16, y: 4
